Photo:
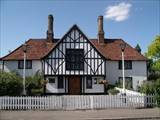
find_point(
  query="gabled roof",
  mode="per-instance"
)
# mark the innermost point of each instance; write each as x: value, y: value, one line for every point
x: 74, y: 27
x: 111, y: 50
x: 39, y: 48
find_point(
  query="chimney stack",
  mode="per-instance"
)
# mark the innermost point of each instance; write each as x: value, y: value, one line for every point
x: 100, y: 30
x: 50, y: 34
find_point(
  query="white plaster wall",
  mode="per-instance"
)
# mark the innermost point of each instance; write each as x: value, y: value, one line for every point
x: 13, y: 66
x: 76, y: 45
x: 53, y: 87
x: 138, y: 72
x: 96, y: 88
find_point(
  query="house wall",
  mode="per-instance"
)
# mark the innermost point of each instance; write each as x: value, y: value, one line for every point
x: 94, y: 63
x: 13, y: 66
x: 138, y: 72
x: 53, y: 87
x: 96, y: 88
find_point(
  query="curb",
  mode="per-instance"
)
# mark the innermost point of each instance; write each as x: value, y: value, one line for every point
x: 126, y: 118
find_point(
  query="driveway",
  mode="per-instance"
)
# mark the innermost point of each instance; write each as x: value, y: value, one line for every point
x: 108, y: 114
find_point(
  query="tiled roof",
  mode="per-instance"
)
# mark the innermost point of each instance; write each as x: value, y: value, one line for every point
x: 38, y: 48
x: 112, y: 51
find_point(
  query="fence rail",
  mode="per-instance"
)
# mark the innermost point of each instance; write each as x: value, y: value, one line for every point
x: 75, y: 102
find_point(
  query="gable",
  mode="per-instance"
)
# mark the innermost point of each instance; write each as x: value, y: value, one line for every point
x: 55, y: 63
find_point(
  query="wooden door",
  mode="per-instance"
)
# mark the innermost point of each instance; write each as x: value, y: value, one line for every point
x: 74, y: 85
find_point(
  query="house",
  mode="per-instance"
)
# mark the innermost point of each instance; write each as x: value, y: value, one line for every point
x: 76, y: 64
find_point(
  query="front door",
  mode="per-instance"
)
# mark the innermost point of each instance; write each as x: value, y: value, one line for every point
x: 74, y: 85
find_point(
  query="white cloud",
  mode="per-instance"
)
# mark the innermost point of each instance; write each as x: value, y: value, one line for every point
x: 118, y: 12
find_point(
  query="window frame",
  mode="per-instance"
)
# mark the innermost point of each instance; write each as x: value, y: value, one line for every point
x: 28, y: 64
x: 89, y: 78
x: 74, y: 59
x: 121, y: 79
x: 52, y: 78
x: 127, y: 64
x: 60, y: 82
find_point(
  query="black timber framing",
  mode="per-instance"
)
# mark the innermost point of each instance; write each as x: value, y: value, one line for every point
x: 95, y: 62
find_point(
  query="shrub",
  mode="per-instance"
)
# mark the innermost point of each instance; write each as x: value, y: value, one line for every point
x: 113, y: 91
x: 147, y: 87
x: 152, y: 87
x: 33, y: 82
x: 10, y: 84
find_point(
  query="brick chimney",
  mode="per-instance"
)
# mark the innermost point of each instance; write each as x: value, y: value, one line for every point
x: 100, y: 30
x: 50, y: 34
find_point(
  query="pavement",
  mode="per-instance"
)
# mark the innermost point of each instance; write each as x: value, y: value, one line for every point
x: 108, y: 114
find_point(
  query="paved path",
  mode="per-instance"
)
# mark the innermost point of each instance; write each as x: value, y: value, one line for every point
x: 82, y: 115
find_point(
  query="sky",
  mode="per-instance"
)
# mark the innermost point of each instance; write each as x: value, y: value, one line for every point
x: 135, y: 21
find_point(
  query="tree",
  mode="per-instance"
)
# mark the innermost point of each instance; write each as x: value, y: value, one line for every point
x: 10, y: 84
x: 138, y: 48
x: 154, y: 53
x: 33, y: 83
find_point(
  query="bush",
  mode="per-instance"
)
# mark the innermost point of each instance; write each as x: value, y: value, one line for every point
x: 34, y: 82
x: 152, y: 87
x: 37, y: 92
x: 147, y: 88
x: 154, y: 76
x: 10, y: 84
x: 113, y: 91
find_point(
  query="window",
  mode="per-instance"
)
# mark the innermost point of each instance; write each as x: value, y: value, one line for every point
x: 128, y: 82
x: 97, y: 80
x: 127, y: 64
x: 89, y: 82
x: 51, y: 80
x: 28, y: 64
x: 74, y: 59
x: 60, y: 82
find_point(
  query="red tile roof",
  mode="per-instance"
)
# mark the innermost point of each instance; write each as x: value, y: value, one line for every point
x: 38, y: 48
x: 112, y: 51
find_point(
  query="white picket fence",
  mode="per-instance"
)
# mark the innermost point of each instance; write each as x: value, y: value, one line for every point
x: 75, y: 102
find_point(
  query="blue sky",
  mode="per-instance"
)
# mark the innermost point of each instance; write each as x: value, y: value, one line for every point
x: 135, y: 21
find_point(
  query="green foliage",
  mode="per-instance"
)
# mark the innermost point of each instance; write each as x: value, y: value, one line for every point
x: 154, y: 53
x: 138, y: 48
x: 33, y: 82
x: 152, y: 87
x: 147, y: 87
x: 157, y: 91
x: 10, y: 84
x: 154, y: 76
x: 128, y: 84
x: 36, y: 92
x: 154, y: 48
x: 113, y: 91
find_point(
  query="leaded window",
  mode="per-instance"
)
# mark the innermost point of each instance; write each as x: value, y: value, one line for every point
x: 74, y: 59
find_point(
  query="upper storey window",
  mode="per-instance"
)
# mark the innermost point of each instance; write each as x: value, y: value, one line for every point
x: 74, y: 59
x: 127, y: 64
x: 28, y: 64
